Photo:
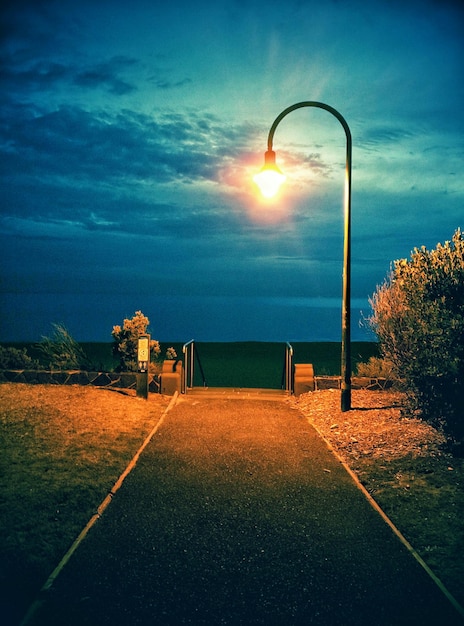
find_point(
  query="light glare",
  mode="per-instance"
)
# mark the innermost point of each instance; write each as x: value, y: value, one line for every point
x: 269, y: 181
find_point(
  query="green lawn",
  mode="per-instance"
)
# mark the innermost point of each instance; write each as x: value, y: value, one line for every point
x: 261, y: 364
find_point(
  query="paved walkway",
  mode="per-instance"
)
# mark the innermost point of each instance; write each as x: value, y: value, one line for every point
x: 237, y: 513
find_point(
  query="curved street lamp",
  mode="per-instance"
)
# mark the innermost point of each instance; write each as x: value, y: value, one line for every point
x: 269, y: 180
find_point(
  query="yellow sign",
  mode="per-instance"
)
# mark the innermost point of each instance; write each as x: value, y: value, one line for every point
x: 144, y: 349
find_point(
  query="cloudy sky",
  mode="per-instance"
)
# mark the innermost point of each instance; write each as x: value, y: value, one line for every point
x: 130, y: 132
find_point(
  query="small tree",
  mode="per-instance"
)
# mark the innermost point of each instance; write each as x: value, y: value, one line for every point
x: 126, y: 341
x: 418, y: 316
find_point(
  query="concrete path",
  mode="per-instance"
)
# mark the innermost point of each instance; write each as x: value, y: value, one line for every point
x: 238, y: 513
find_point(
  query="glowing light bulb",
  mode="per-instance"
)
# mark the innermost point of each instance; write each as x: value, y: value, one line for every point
x: 270, y: 178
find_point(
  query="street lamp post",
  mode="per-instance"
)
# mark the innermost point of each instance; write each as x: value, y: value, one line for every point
x: 269, y: 179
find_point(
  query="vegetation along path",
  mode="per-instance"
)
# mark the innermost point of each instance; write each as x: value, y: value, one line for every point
x: 237, y: 512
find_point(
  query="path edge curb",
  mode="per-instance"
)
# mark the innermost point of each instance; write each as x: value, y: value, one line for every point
x: 389, y: 522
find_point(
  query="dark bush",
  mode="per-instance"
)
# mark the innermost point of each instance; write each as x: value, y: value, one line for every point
x: 16, y: 359
x: 419, y: 320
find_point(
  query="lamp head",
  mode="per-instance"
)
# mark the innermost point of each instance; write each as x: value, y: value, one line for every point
x: 269, y: 178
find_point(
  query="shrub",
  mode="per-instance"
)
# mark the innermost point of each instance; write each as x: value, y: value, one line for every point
x: 418, y: 316
x: 126, y: 341
x: 171, y: 354
x: 61, y: 351
x: 16, y: 359
x: 376, y: 368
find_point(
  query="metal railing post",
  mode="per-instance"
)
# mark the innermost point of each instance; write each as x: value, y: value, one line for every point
x: 187, y: 349
x: 288, y: 367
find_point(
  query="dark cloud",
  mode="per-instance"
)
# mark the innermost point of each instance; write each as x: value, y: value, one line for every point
x: 38, y: 75
x: 26, y: 76
x: 382, y: 135
x: 105, y: 75
x: 170, y: 84
x: 77, y: 144
x: 36, y: 53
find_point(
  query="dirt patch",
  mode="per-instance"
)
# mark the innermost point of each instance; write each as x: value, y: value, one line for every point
x: 404, y: 466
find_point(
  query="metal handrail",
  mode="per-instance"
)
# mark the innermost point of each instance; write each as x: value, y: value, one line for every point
x: 188, y: 367
x: 190, y: 353
x: 288, y: 367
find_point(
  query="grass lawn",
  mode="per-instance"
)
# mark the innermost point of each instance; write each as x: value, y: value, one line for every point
x: 63, y: 449
x: 261, y: 364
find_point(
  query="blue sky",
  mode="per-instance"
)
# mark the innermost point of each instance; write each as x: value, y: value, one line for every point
x: 130, y: 132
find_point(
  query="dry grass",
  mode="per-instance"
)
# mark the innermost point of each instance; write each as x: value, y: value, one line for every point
x: 402, y: 463
x: 63, y: 448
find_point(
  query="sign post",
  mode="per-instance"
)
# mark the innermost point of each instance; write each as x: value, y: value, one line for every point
x: 143, y: 363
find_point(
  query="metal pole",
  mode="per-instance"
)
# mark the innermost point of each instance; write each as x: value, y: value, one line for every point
x: 346, y: 288
x: 188, y: 364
